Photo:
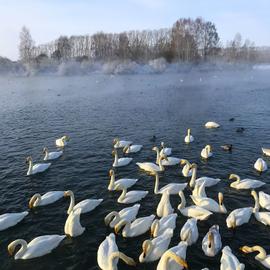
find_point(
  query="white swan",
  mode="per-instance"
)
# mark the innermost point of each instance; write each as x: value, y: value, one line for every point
x: 199, y: 191
x: 207, y: 152
x: 73, y: 225
x: 174, y: 258
x: 166, y: 161
x: 165, y: 151
x: 172, y: 188
x: 193, y: 210
x: 164, y: 207
x: 266, y: 151
x: 189, y: 138
x: 264, y: 200
x: 239, y: 217
x: 62, y: 141
x: 210, y: 204
x: 263, y: 217
x: 135, y: 228
x: 154, y: 249
x: 125, y: 182
x: 120, y: 162
x: 229, y: 261
x: 262, y: 257
x: 37, y: 168
x: 85, y: 205
x: 108, y: 254
x: 189, y: 232
x: 127, y: 214
x: 11, y: 219
x: 51, y: 155
x: 131, y: 196
x: 152, y: 167
x: 186, y: 171
x: 260, y: 165
x: 211, y: 243
x: 121, y: 144
x: 160, y: 225
x: 212, y: 125
x: 38, y: 247
x: 45, y: 199
x: 245, y: 183
x: 134, y: 148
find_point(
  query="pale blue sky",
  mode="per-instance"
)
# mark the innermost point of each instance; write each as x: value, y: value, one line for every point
x: 48, y: 19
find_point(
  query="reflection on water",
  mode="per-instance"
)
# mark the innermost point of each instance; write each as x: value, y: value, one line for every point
x: 93, y: 110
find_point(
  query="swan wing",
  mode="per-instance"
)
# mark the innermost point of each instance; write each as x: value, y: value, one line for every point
x: 87, y: 205
x: 148, y: 166
x: 51, y: 197
x: 173, y: 188
x: 266, y: 151
x: 264, y: 200
x: 40, y: 167
x: 125, y: 182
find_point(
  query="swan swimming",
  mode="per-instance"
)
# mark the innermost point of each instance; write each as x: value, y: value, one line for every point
x: 210, y: 204
x: 189, y: 138
x: 38, y: 247
x: 154, y: 249
x: 212, y: 124
x: 108, y: 254
x: 152, y: 167
x: 37, y: 168
x: 51, y: 155
x: 189, y: 232
x: 207, y: 152
x: 229, y: 261
x: 211, y: 243
x: 166, y: 161
x: 172, y: 188
x: 186, y: 171
x: 127, y: 214
x: 174, y: 258
x: 165, y: 151
x: 264, y: 200
x: 160, y: 225
x: 193, y: 210
x: 239, y: 217
x: 260, y: 165
x: 132, y: 148
x: 86, y: 205
x: 45, y: 199
x: 164, y: 207
x: 245, y: 183
x: 73, y: 225
x: 120, y: 162
x: 11, y: 219
x: 131, y: 196
x: 263, y: 217
x: 121, y: 144
x: 135, y: 228
x: 125, y: 182
x: 62, y: 142
x: 262, y: 257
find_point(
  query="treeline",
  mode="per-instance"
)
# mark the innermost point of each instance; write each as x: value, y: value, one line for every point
x: 187, y: 41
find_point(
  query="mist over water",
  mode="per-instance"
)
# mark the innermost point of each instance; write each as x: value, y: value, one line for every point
x: 93, y: 110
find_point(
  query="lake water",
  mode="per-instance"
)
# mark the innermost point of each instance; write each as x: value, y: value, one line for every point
x: 92, y: 111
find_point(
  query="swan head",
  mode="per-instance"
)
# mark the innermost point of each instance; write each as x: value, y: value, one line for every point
x: 234, y: 176
x: 155, y: 148
x: 115, y: 140
x: 45, y: 150
x: 162, y: 144
x: 111, y: 172
x: 183, y: 162
x: 66, y: 138
x: 12, y: 246
x: 29, y: 159
x: 34, y: 198
x: 209, y: 147
x: 194, y: 166
x: 146, y: 249
x: 119, y: 226
x: 254, y: 193
x: 68, y: 193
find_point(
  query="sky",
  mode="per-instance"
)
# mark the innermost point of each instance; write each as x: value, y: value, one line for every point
x: 48, y: 19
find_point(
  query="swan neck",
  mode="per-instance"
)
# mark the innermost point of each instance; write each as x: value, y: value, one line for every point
x: 155, y: 228
x: 23, y: 248
x: 256, y: 200
x: 161, y: 167
x: 193, y: 177
x: 122, y: 256
x: 262, y: 254
x: 72, y: 203
x: 30, y: 167
x: 173, y: 256
x: 112, y: 181
x: 46, y: 154
x: 123, y: 194
x: 156, y: 191
x: 183, y: 200
x: 115, y: 158
x: 112, y: 217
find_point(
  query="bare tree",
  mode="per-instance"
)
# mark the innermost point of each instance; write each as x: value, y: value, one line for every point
x: 26, y: 45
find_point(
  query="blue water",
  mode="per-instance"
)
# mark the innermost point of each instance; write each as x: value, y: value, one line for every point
x: 92, y: 111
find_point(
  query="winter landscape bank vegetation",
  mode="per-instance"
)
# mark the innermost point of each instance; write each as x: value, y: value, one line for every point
x: 186, y: 43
